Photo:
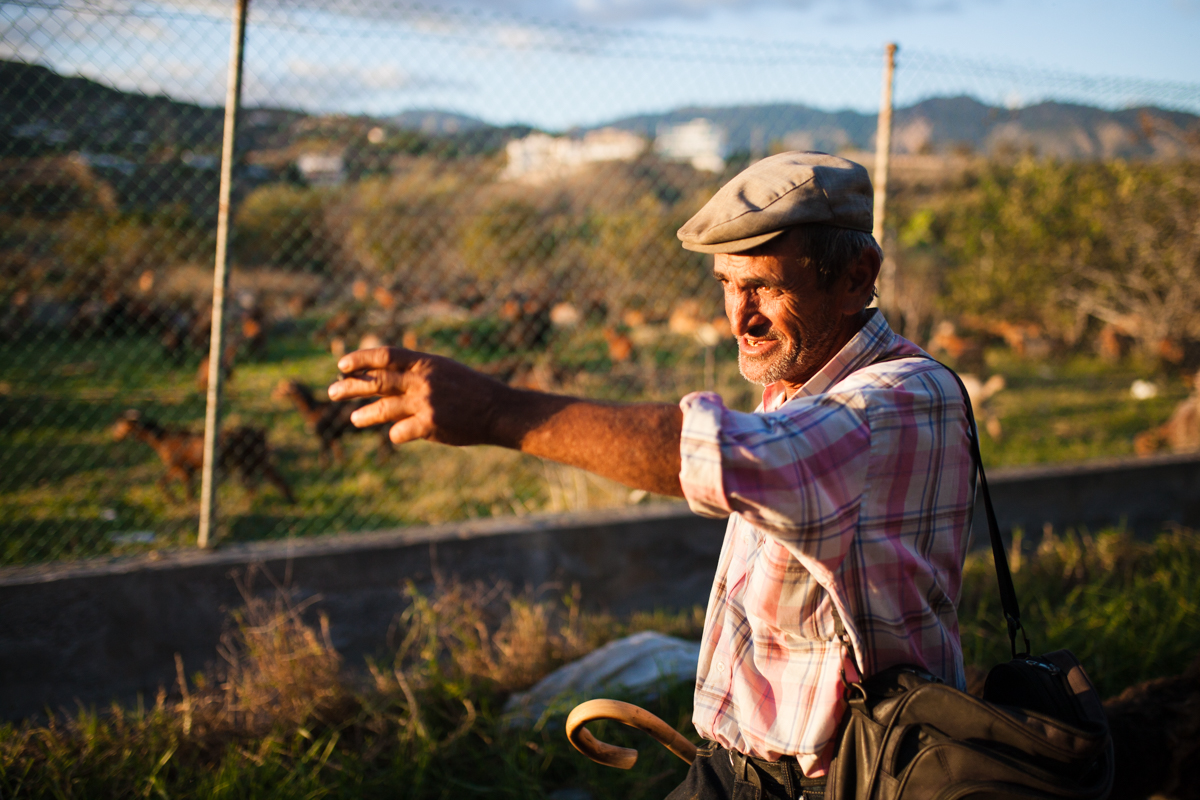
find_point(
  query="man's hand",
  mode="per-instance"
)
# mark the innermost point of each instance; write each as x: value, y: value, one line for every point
x: 425, y: 396
x: 435, y: 398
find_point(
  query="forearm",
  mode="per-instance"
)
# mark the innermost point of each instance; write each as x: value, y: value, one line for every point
x: 422, y: 396
x: 636, y: 444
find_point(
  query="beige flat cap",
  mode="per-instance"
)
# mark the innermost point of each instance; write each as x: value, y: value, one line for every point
x: 778, y: 193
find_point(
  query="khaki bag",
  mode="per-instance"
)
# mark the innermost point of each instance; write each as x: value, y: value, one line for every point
x: 1038, y: 733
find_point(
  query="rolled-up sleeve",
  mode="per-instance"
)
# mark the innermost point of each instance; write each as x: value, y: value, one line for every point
x: 797, y: 473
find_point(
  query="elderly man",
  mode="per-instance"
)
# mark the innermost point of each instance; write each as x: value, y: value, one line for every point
x: 848, y: 490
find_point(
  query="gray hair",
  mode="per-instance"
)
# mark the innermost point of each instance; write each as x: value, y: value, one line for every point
x: 831, y: 250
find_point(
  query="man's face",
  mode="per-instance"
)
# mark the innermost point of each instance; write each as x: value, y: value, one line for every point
x: 786, y: 327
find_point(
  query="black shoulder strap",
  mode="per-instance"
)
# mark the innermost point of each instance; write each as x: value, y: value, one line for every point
x: 1008, y: 594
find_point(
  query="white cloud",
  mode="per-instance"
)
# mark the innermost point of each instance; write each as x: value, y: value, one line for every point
x: 632, y: 11
x: 314, y: 85
x: 20, y: 51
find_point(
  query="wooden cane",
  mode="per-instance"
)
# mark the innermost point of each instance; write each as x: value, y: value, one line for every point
x: 627, y: 714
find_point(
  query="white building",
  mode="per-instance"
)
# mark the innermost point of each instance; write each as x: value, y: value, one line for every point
x: 322, y: 169
x: 699, y: 142
x: 539, y: 156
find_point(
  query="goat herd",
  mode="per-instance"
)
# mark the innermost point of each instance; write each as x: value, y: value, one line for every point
x: 244, y: 448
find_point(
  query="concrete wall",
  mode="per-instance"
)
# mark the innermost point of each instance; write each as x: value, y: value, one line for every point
x: 1141, y: 494
x: 94, y: 631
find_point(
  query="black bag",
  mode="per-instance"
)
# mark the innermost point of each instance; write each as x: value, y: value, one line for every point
x: 1039, y: 731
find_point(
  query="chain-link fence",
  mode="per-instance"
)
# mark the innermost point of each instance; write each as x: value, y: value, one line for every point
x: 393, y: 184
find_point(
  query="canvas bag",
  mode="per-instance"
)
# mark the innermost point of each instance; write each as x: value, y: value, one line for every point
x: 1039, y: 733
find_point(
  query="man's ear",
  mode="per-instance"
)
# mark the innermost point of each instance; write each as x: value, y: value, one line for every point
x: 858, y: 281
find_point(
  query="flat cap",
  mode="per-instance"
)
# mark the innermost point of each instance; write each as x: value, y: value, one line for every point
x: 777, y: 193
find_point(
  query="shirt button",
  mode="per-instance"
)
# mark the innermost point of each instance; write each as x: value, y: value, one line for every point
x: 720, y: 666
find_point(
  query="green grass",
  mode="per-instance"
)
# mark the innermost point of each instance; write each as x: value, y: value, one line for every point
x: 1130, y: 610
x: 67, y: 490
x: 1074, y: 409
x: 287, y: 719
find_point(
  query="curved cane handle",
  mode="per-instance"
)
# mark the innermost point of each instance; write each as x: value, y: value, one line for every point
x: 628, y: 714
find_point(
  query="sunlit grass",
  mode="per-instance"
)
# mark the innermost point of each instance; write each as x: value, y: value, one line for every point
x: 1072, y: 410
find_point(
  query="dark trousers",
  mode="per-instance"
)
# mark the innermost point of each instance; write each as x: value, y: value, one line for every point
x: 720, y: 774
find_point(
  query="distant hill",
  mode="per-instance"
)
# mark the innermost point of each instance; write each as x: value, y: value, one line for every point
x: 754, y: 128
x: 43, y: 112
x: 1063, y: 130
x: 436, y: 123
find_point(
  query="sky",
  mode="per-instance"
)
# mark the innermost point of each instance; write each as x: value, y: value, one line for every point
x: 1149, y: 39
x: 557, y: 64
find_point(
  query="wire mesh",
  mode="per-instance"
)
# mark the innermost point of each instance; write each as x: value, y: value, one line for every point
x: 374, y: 204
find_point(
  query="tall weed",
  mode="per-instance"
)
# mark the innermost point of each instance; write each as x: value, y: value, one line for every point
x: 1129, y: 609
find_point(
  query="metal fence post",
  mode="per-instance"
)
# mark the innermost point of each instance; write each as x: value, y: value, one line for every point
x: 883, y: 152
x: 233, y: 99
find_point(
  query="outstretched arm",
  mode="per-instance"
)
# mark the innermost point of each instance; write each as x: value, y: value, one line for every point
x: 435, y: 398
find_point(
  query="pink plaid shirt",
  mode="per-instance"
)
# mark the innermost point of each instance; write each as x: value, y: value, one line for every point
x: 856, y: 493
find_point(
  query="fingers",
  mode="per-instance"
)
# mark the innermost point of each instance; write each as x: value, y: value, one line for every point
x: 392, y: 376
x: 369, y: 383
x: 387, y: 410
x: 410, y: 429
x: 375, y: 358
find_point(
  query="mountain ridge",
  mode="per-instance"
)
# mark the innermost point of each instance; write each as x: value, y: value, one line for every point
x: 44, y: 110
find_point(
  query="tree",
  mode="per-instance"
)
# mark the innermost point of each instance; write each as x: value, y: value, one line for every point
x: 1059, y: 244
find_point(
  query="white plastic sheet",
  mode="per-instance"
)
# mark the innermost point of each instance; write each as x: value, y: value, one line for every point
x: 640, y: 664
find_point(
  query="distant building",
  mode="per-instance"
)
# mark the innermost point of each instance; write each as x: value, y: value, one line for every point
x: 41, y: 130
x: 105, y: 161
x: 699, y: 142
x: 539, y: 156
x: 206, y: 161
x: 322, y: 169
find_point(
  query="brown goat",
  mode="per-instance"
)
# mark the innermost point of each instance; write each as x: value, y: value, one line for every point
x: 620, y: 346
x: 182, y: 452
x: 329, y: 421
x: 226, y: 366
x: 1180, y: 433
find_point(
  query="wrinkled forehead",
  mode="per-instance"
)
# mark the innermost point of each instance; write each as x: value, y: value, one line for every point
x: 781, y: 258
x: 751, y: 269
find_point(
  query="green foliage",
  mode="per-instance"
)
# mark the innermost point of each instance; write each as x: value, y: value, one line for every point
x: 87, y: 251
x: 1058, y: 243
x: 619, y: 245
x: 513, y: 239
x: 284, y: 225
x: 1013, y: 238
x: 404, y: 227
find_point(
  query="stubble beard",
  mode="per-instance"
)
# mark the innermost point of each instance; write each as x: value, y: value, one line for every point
x: 772, y: 367
x: 799, y: 355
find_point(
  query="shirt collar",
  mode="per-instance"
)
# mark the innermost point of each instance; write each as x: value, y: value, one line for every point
x: 872, y: 341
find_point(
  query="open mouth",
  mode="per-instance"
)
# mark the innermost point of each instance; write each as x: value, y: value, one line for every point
x: 756, y: 346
